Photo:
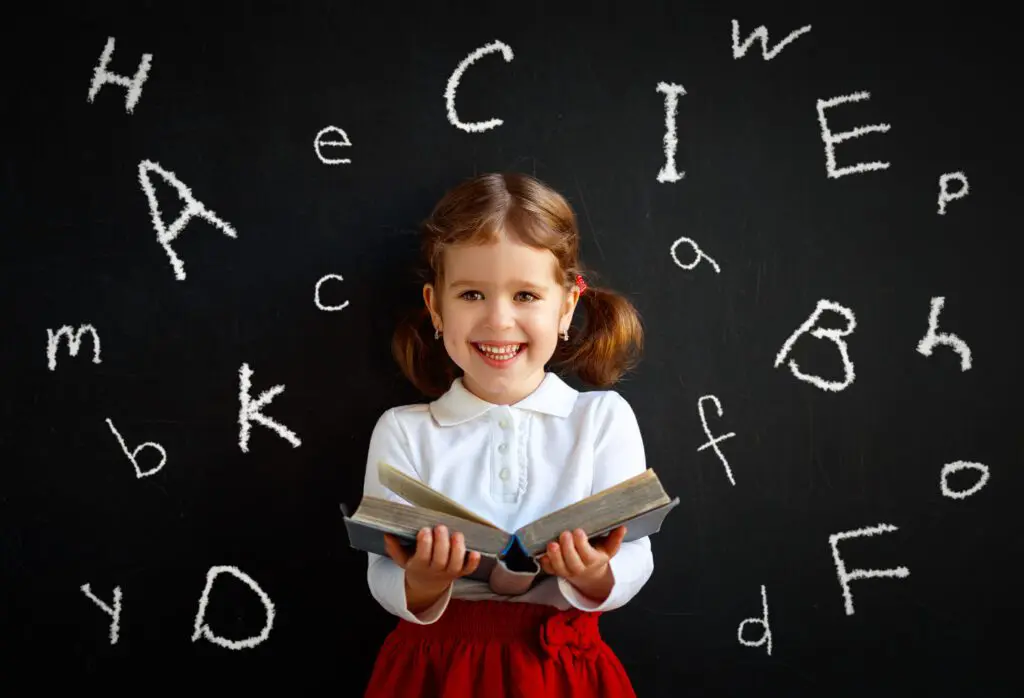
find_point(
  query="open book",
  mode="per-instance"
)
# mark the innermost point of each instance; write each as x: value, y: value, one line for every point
x: 640, y: 503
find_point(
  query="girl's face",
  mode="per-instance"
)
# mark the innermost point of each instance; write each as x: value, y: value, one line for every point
x: 501, y: 310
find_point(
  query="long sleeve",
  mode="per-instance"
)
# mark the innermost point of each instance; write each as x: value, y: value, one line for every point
x: 383, y: 575
x: 618, y: 455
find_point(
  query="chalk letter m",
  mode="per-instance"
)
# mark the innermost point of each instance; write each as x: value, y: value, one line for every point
x: 74, y: 342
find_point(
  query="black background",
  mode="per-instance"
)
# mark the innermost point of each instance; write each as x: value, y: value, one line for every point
x: 233, y: 101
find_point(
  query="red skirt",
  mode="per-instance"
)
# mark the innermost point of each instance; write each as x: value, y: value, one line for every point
x: 499, y: 648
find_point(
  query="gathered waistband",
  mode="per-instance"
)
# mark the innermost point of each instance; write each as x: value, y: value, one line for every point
x: 493, y: 620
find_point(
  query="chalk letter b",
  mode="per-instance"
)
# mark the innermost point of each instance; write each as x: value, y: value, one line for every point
x: 822, y: 333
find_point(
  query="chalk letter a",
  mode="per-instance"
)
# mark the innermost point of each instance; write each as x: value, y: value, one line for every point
x: 193, y: 207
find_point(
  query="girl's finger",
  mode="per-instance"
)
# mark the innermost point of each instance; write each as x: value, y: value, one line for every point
x: 615, y: 541
x: 586, y: 551
x: 439, y: 561
x: 424, y: 547
x: 572, y: 558
x: 457, y: 557
x: 555, y: 560
x: 472, y: 562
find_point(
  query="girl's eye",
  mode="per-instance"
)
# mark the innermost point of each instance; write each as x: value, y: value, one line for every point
x: 525, y: 296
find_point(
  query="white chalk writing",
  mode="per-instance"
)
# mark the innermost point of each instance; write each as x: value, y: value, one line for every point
x: 192, y: 208
x: 134, y: 84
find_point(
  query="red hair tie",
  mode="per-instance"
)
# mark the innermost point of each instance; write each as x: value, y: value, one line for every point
x: 581, y: 283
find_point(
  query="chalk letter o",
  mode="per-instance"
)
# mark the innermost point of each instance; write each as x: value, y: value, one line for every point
x: 950, y: 468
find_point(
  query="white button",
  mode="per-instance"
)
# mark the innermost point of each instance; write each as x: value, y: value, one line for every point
x: 503, y: 474
x: 503, y: 448
x: 503, y: 424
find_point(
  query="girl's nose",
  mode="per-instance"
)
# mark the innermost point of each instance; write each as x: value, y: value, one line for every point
x: 500, y: 314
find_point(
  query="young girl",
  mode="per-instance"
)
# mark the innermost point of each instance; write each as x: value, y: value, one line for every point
x: 510, y: 441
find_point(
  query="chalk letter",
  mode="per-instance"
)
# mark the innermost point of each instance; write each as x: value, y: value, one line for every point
x: 132, y: 454
x: 950, y: 468
x: 192, y: 208
x: 822, y: 333
x: 946, y: 196
x: 699, y: 252
x: 201, y: 629
x: 761, y: 33
x: 767, y: 634
x: 453, y: 82
x: 668, y: 170
x: 846, y: 577
x: 714, y: 441
x: 343, y: 142
x: 250, y: 411
x: 74, y: 342
x: 114, y: 613
x: 101, y: 75
x: 832, y: 138
x: 931, y: 338
x: 316, y: 294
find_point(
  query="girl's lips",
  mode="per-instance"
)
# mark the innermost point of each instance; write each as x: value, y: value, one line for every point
x: 492, y: 360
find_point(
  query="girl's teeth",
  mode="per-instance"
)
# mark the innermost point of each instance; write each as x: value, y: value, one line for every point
x: 505, y: 351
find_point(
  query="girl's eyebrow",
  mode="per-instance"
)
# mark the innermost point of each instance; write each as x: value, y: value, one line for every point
x: 518, y: 283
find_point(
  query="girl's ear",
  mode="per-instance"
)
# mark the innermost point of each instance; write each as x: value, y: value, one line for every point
x: 571, y: 301
x: 430, y: 300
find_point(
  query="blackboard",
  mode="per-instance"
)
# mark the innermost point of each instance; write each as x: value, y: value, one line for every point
x: 670, y: 130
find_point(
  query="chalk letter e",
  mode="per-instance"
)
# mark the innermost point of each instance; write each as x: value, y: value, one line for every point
x: 831, y: 139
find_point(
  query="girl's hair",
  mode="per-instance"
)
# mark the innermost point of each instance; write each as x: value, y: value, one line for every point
x: 476, y: 212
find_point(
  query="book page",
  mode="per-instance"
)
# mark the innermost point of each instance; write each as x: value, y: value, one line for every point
x: 405, y: 521
x: 419, y: 494
x: 598, y: 512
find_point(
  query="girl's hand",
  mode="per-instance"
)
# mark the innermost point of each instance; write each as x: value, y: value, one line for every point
x: 437, y: 561
x: 583, y: 565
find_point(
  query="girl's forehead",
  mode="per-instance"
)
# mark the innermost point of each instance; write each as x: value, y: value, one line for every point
x: 500, y: 261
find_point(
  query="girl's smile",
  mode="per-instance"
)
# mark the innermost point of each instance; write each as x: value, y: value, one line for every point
x: 499, y: 355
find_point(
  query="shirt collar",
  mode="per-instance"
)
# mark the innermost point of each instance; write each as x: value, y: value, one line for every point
x: 553, y: 396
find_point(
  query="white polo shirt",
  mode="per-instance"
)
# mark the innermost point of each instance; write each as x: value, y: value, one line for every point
x: 512, y: 464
